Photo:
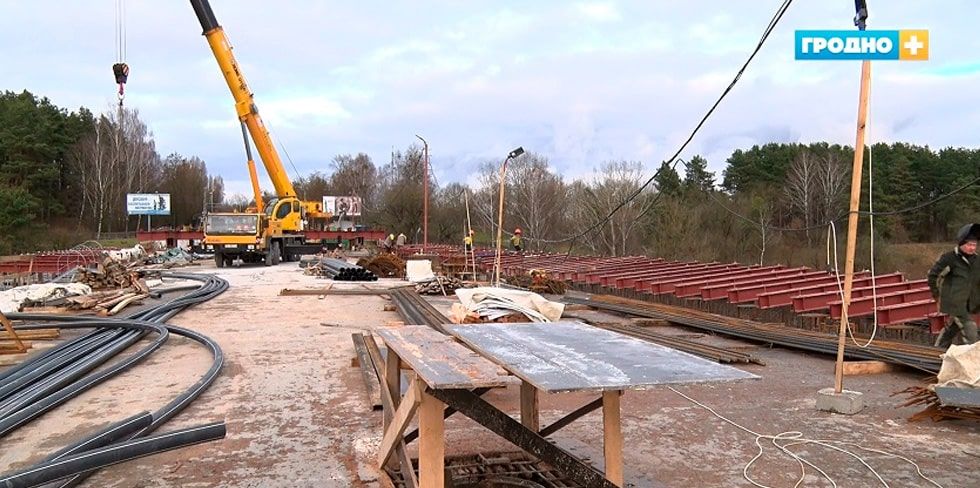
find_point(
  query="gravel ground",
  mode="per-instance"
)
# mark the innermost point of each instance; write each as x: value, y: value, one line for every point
x: 297, y: 414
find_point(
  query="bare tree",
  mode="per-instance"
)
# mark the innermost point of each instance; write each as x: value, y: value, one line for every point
x: 314, y: 187
x: 802, y: 188
x: 186, y: 179
x: 833, y: 176
x: 537, y: 197
x: 485, y: 197
x: 355, y: 176
x: 118, y: 157
x: 616, y: 184
x: 400, y: 200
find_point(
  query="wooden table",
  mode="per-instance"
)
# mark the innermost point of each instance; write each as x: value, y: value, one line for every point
x: 569, y: 356
x: 439, y: 363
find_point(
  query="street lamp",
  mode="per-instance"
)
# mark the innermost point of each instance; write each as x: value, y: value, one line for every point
x: 425, y: 195
x: 500, y: 215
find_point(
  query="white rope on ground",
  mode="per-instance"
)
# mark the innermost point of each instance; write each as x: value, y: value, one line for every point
x: 800, y: 440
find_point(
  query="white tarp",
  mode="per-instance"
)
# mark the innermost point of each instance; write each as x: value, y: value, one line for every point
x: 128, y: 254
x: 961, y: 367
x: 493, y: 303
x: 13, y: 299
x: 419, y: 270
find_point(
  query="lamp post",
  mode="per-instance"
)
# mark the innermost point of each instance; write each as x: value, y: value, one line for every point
x: 425, y: 194
x: 500, y: 213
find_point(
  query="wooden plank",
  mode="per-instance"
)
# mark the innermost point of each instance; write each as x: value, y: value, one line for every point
x: 393, y: 382
x: 569, y: 356
x: 388, y: 411
x: 33, y: 334
x: 18, y: 345
x: 432, y: 445
x: 11, y: 348
x: 530, y: 415
x: 440, y: 361
x: 363, y: 361
x: 853, y: 368
x: 404, y: 415
x: 612, y: 435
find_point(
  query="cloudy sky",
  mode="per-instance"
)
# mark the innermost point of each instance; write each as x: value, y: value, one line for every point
x: 578, y: 82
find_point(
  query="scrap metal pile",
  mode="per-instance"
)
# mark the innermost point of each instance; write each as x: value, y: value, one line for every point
x: 934, y: 408
x: 384, y: 265
x: 440, y: 285
x: 538, y: 281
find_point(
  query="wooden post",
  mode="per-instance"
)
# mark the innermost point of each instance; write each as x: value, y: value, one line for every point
x: 19, y: 347
x: 432, y: 447
x: 530, y: 417
x: 399, y: 421
x: 393, y: 378
x: 612, y: 434
x: 500, y: 224
x: 852, y: 221
x: 471, y: 255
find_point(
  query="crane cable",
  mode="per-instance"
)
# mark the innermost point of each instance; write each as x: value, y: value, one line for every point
x: 120, y: 69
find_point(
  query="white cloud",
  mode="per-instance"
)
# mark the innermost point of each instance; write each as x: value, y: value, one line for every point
x: 292, y: 111
x: 578, y: 82
x: 599, y: 11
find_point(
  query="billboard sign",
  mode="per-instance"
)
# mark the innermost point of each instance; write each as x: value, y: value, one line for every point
x: 349, y: 206
x: 148, y: 203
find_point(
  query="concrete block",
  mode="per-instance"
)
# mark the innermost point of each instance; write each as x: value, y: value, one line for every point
x: 846, y: 402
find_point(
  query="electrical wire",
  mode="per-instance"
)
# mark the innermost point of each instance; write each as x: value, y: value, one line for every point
x: 673, y: 160
x: 798, y: 439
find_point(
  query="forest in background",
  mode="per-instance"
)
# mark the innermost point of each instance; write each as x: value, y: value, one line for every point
x: 64, y: 175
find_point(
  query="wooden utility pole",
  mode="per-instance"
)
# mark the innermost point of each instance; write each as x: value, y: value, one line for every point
x: 852, y: 221
x: 471, y: 258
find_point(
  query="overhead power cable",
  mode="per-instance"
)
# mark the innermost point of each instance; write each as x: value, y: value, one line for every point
x: 672, y: 161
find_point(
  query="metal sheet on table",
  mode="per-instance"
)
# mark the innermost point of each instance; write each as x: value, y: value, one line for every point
x: 569, y: 356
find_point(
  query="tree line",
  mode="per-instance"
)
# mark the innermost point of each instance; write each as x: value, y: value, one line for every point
x: 64, y: 174
x: 71, y: 170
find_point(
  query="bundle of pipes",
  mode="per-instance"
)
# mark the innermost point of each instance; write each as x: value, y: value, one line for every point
x: 54, y: 377
x: 924, y: 358
x: 340, y: 270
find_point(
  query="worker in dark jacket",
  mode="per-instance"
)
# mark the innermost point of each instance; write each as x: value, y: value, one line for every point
x: 954, y: 281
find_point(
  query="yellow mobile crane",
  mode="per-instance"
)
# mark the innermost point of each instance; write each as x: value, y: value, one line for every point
x: 276, y: 233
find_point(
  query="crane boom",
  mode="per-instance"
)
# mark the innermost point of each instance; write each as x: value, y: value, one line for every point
x: 245, y: 106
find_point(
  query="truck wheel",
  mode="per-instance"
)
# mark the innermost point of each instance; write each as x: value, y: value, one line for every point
x: 276, y: 253
x: 219, y: 260
x: 268, y: 255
